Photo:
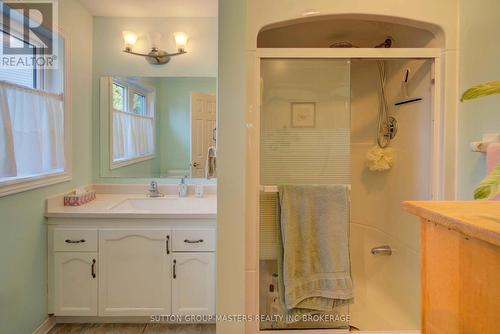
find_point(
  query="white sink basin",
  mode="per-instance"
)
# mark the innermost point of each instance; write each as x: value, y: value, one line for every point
x: 160, y: 204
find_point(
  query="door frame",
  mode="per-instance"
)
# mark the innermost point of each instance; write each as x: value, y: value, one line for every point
x: 254, y: 187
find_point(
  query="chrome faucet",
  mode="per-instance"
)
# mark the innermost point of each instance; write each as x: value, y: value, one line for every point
x: 153, y: 190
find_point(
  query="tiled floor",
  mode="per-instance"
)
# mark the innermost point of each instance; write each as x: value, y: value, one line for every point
x: 132, y: 329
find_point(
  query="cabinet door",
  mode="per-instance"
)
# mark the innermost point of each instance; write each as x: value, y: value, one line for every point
x: 75, y: 284
x: 193, y: 283
x: 135, y: 272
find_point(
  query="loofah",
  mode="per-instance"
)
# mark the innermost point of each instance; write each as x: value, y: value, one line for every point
x: 380, y: 159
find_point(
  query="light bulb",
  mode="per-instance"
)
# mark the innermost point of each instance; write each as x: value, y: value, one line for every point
x: 180, y: 40
x: 130, y: 38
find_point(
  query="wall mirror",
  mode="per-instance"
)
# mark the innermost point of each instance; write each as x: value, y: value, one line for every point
x: 152, y: 127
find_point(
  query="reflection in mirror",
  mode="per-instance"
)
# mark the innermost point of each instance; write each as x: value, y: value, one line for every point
x: 158, y: 127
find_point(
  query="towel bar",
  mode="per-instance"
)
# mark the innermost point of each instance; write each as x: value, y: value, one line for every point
x: 274, y: 189
x: 382, y: 250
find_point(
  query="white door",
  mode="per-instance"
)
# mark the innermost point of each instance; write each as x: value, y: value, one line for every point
x: 135, y: 272
x: 193, y: 284
x: 75, y: 283
x: 203, y: 130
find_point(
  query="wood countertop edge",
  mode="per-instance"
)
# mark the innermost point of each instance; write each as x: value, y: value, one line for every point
x: 454, y: 223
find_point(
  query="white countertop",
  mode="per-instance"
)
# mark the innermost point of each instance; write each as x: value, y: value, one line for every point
x: 111, y: 205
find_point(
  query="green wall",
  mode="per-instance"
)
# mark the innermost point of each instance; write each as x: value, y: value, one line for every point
x: 23, y: 232
x: 174, y: 97
x: 479, y: 62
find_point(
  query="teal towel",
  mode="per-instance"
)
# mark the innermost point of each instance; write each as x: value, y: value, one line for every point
x: 314, y: 264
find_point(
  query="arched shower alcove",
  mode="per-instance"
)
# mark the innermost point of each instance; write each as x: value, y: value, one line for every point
x: 334, y: 67
x: 362, y: 29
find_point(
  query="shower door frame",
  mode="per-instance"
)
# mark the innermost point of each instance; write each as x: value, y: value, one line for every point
x: 254, y: 188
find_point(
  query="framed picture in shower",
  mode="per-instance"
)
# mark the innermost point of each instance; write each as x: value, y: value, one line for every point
x: 303, y: 114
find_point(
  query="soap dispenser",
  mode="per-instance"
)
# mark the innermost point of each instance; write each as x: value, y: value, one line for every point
x: 182, y: 188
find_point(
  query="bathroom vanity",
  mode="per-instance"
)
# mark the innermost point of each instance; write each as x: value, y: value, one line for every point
x: 460, y: 265
x: 125, y: 254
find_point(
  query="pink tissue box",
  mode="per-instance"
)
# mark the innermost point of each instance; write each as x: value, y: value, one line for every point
x: 72, y: 199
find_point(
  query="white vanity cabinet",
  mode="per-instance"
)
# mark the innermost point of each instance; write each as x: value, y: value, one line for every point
x: 75, y: 283
x: 193, y: 276
x: 193, y: 283
x: 131, y: 267
x: 74, y: 259
x: 134, y: 272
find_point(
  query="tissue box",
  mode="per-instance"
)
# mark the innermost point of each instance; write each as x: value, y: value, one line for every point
x: 72, y: 199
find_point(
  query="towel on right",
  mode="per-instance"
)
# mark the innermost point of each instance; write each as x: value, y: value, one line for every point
x: 315, y: 264
x: 210, y: 163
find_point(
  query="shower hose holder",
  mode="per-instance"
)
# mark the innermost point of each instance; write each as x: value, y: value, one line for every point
x: 392, y: 127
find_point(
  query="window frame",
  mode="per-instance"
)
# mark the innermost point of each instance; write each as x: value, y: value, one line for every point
x: 131, y: 87
x: 20, y: 184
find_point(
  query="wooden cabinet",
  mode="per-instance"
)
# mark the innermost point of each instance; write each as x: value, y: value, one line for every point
x: 75, y: 282
x: 134, y: 272
x: 460, y: 275
x: 460, y: 265
x: 193, y: 284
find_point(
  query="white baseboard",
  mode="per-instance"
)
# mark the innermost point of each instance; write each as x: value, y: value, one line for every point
x: 46, y: 326
x: 102, y: 320
x: 115, y: 320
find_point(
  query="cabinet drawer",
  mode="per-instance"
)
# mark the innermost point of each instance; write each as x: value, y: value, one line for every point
x: 75, y: 240
x: 193, y: 240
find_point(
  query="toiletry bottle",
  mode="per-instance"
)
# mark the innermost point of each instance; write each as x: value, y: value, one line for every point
x: 198, y: 190
x: 182, y: 188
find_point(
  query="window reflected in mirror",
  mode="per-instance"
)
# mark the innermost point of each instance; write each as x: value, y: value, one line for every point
x: 155, y: 127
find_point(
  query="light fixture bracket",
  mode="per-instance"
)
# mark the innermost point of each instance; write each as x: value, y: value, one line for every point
x: 156, y: 56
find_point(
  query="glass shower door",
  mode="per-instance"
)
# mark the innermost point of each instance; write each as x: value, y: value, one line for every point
x: 305, y: 139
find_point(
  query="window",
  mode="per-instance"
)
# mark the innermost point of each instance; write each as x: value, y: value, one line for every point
x: 118, y: 97
x: 23, y: 77
x: 132, y: 122
x: 139, y: 104
x: 34, y: 127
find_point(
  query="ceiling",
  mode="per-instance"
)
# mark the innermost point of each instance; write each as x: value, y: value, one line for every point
x: 152, y: 8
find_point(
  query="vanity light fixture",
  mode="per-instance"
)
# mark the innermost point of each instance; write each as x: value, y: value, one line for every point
x: 155, y: 56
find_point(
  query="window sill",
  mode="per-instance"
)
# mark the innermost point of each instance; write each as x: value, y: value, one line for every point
x: 14, y: 186
x: 123, y: 163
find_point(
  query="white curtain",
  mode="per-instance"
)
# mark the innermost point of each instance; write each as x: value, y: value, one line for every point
x: 31, y: 131
x: 133, y: 136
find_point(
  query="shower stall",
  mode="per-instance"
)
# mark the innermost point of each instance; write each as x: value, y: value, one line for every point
x: 318, y: 116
